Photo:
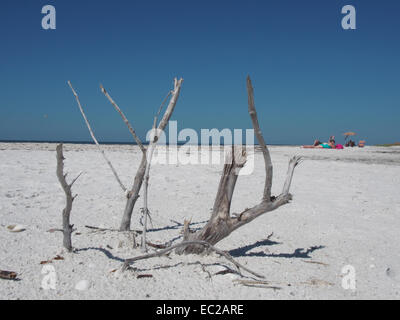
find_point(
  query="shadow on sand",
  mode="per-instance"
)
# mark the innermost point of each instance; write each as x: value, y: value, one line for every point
x: 298, y: 253
x: 108, y: 254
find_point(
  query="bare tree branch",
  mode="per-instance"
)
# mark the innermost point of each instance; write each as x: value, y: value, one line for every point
x: 67, y: 227
x: 146, y: 185
x: 172, y: 103
x: 235, y: 160
x: 152, y: 147
x: 95, y: 140
x: 293, y: 163
x: 266, y: 206
x: 186, y: 243
x: 132, y: 131
x: 162, y: 104
x: 221, y: 224
x: 73, y: 181
x: 134, y: 193
x: 260, y: 139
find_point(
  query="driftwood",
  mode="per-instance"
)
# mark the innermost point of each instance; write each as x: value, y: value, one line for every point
x: 140, y: 174
x: 221, y: 223
x: 187, y: 243
x: 95, y: 140
x: 57, y: 257
x: 133, y: 194
x: 152, y: 147
x: 145, y: 210
x: 131, y: 130
x: 67, y: 227
x: 8, y: 275
x: 257, y: 284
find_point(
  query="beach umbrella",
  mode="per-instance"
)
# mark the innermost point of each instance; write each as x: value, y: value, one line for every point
x: 347, y: 134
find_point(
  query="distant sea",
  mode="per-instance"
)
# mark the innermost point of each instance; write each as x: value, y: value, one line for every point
x: 111, y: 142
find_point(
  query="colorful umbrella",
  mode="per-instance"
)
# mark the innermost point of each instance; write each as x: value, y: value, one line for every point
x: 347, y: 134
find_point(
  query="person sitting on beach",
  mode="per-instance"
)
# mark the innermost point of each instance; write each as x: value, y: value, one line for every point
x: 350, y: 143
x: 323, y: 145
x: 316, y: 143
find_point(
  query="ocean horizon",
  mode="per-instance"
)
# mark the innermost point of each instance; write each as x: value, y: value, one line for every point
x: 124, y: 143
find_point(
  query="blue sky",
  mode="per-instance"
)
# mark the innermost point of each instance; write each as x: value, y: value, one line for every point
x: 311, y: 78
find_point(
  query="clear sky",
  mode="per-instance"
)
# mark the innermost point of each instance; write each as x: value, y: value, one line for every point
x: 312, y: 79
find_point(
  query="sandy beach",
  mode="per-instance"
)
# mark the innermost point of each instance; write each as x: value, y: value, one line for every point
x: 345, y: 212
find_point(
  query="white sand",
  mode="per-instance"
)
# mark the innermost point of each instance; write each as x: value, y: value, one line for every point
x: 346, y: 211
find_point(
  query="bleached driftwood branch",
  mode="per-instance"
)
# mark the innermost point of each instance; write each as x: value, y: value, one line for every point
x: 95, y: 140
x: 146, y: 158
x: 221, y: 223
x: 67, y: 227
x: 261, y: 142
x: 133, y: 194
x: 152, y: 147
x: 187, y: 243
x: 146, y: 211
x: 131, y: 130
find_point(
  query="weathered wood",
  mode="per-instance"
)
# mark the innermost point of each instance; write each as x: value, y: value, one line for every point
x: 67, y: 227
x: 8, y: 275
x: 133, y: 195
x: 131, y: 130
x: 221, y: 223
x: 95, y: 140
x: 261, y: 142
x: 152, y: 147
x: 146, y: 211
x: 172, y: 103
x: 188, y: 243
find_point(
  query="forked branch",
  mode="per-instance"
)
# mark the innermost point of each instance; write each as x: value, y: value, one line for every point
x: 156, y: 133
x: 95, y: 140
x: 221, y: 223
x: 131, y: 130
x: 133, y: 195
x: 187, y: 243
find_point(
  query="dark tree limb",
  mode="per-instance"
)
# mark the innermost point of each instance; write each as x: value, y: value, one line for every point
x: 8, y: 275
x: 67, y: 227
